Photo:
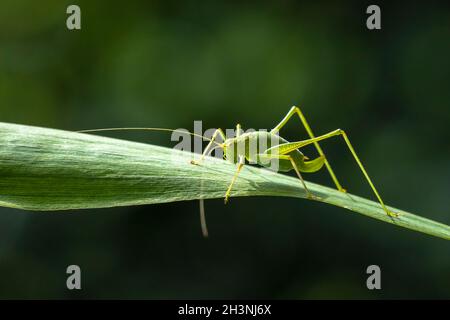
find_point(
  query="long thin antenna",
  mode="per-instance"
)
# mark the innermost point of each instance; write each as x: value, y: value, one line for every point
x: 202, y: 204
x: 203, y: 219
x: 146, y: 129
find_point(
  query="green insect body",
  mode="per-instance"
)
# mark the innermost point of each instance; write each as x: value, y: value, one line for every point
x: 269, y: 146
x: 265, y: 148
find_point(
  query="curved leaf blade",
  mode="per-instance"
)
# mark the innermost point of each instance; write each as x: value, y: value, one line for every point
x: 46, y: 169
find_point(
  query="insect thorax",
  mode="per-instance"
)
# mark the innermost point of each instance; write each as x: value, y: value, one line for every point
x: 250, y: 144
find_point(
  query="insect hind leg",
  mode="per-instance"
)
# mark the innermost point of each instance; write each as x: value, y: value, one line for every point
x: 296, y: 110
x: 339, y: 132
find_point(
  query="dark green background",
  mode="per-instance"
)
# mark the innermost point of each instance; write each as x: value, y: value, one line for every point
x: 168, y: 63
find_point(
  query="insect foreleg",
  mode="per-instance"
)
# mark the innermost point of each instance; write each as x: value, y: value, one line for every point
x: 296, y: 110
x: 207, y: 149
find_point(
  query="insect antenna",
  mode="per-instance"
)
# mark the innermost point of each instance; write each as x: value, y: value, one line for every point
x: 203, y: 218
x: 218, y: 145
x: 147, y: 129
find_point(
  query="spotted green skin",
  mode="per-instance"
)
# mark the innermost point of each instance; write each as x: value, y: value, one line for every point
x: 252, y: 145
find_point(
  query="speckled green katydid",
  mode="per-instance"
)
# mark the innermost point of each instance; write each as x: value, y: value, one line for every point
x: 287, y: 154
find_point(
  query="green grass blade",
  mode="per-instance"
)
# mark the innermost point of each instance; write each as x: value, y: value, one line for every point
x: 46, y: 169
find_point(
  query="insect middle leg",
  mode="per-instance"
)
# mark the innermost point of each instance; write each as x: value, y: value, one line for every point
x: 238, y: 170
x: 296, y: 110
x: 241, y: 161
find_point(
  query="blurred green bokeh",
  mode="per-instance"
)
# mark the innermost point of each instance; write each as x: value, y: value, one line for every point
x: 168, y: 63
